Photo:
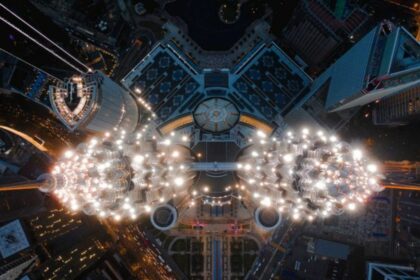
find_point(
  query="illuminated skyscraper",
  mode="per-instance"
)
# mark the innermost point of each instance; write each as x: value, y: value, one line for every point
x: 88, y: 102
x: 93, y: 102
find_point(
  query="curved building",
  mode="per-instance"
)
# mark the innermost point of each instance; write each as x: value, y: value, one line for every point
x: 93, y: 102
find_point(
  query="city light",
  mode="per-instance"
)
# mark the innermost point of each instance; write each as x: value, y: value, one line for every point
x: 307, y: 174
x: 121, y: 175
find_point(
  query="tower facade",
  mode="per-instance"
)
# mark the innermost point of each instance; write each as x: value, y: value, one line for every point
x: 383, y: 64
x: 93, y: 102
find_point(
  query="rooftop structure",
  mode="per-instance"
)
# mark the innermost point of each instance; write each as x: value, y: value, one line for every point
x: 175, y: 82
x: 330, y: 249
x: 383, y: 67
x: 121, y: 176
x: 216, y: 110
x: 307, y: 176
x: 381, y: 271
x: 216, y: 168
x: 12, y: 239
x: 88, y: 102
x: 93, y: 102
x: 63, y: 245
x: 384, y: 63
x: 220, y: 100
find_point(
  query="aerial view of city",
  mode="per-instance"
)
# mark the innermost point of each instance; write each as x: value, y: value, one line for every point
x: 210, y: 139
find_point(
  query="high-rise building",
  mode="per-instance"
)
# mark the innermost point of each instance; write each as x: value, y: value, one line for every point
x: 384, y: 66
x: 21, y: 77
x: 93, y: 102
x: 111, y: 266
x: 15, y: 256
x: 380, y: 271
x: 16, y: 204
x: 88, y: 102
x: 404, y: 176
x: 398, y: 109
x: 316, y: 32
x: 53, y: 244
x: 384, y: 63
x: 16, y: 166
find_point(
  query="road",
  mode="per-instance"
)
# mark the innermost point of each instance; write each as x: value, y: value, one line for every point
x: 143, y: 256
x: 270, y: 258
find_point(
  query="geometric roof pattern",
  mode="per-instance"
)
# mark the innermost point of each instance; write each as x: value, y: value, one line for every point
x: 12, y: 239
x: 264, y: 83
x: 271, y: 81
x: 164, y: 80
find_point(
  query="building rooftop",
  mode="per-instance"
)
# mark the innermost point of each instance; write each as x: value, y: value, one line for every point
x: 383, y: 63
x: 330, y: 249
x: 12, y: 239
x: 264, y: 83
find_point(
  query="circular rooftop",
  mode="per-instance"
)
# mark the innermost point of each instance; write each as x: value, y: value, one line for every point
x: 216, y: 115
x: 267, y: 218
x: 164, y: 217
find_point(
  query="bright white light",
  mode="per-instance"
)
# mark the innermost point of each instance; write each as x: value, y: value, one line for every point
x: 351, y: 206
x: 372, y: 168
x: 261, y: 134
x: 357, y: 154
x: 138, y: 159
x: 117, y: 217
x: 266, y: 202
x: 68, y: 154
x: 95, y: 176
x: 74, y: 207
x: 93, y: 141
x: 306, y: 177
x: 175, y: 154
x: 320, y: 185
x: 179, y: 181
x: 288, y: 158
